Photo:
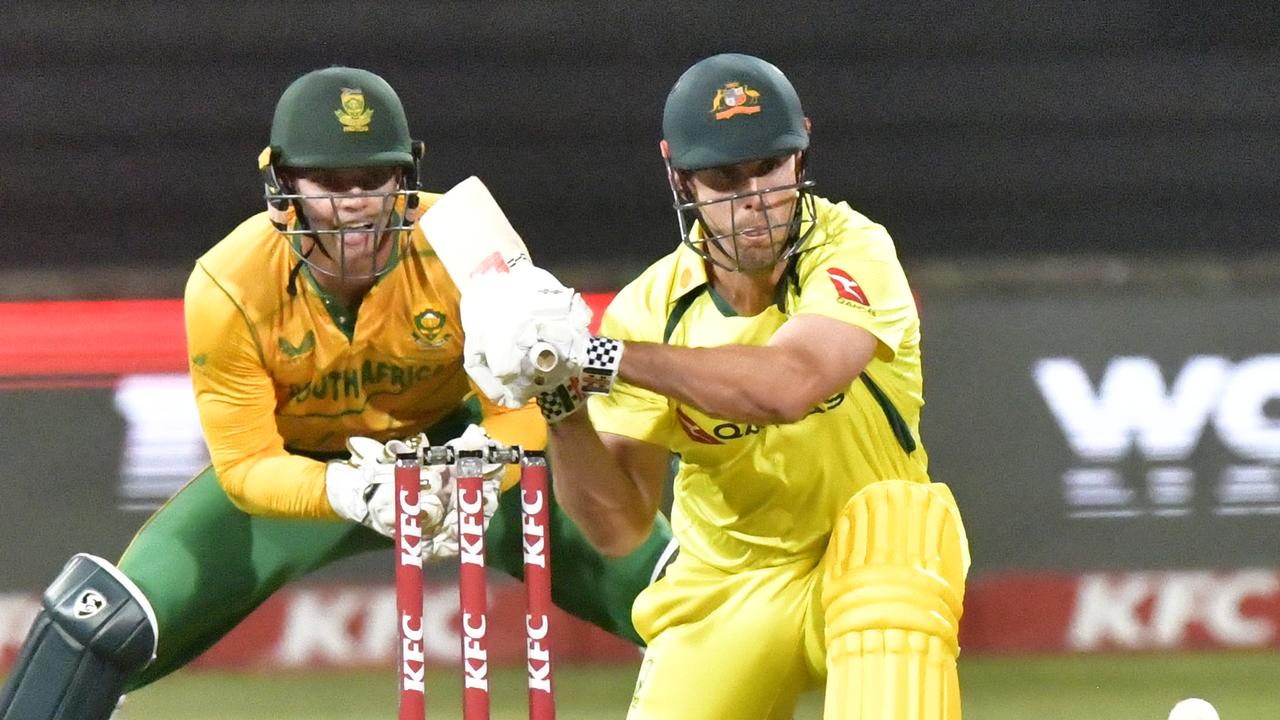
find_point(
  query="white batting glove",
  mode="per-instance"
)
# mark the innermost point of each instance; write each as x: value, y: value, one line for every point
x: 362, y: 489
x: 443, y: 542
x: 504, y: 315
x: 599, y: 369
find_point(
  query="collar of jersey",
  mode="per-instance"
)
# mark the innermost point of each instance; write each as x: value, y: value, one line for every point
x: 688, y: 261
x: 344, y: 318
x: 699, y: 282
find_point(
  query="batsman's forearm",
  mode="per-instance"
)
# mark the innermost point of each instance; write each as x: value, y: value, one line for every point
x: 736, y: 382
x: 611, y: 509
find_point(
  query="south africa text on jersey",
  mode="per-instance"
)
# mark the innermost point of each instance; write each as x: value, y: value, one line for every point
x: 372, y: 377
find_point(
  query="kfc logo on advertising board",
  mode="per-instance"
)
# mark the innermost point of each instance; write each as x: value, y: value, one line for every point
x: 1128, y: 611
x: 1153, y: 611
x: 1135, y: 412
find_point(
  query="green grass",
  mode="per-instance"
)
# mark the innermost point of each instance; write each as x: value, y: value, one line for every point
x: 1119, y: 687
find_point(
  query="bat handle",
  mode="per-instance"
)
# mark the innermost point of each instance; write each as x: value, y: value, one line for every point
x: 545, y: 359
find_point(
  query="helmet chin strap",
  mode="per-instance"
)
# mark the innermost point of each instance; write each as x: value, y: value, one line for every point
x: 292, y: 287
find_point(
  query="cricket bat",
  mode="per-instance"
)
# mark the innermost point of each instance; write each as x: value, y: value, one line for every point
x: 471, y: 235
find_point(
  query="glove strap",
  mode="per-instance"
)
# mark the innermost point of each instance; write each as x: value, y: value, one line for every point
x: 604, y: 354
x: 561, y: 402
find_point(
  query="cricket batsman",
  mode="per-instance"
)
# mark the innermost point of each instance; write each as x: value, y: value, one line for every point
x: 776, y: 351
x: 318, y: 330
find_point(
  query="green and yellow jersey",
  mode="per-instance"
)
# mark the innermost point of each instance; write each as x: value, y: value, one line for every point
x: 279, y: 377
x: 755, y: 496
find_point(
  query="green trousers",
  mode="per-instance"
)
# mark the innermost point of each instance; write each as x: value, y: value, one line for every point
x: 205, y: 565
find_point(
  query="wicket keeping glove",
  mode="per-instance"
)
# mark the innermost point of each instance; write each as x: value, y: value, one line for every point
x: 362, y: 488
x: 443, y: 542
x: 504, y: 315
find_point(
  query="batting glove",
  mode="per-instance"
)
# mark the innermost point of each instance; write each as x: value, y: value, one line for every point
x: 599, y: 370
x: 505, y: 316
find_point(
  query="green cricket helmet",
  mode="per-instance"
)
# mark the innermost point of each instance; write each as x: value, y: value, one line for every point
x: 333, y: 119
x: 730, y: 109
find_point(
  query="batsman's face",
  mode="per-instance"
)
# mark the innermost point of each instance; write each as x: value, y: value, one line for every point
x: 348, y: 211
x: 747, y: 210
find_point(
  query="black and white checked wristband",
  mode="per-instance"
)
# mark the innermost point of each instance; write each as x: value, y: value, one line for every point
x: 604, y: 354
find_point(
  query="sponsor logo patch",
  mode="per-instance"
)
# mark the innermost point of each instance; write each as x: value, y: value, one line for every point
x: 306, y: 345
x: 89, y: 603
x: 846, y: 287
x: 692, y: 429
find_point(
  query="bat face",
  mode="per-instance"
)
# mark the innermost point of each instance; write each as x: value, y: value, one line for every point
x: 471, y: 234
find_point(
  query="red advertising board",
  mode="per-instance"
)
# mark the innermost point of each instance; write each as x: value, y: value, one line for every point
x: 65, y: 344
x: 348, y: 626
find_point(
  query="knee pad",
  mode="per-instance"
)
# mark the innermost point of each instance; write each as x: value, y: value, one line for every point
x: 94, y: 629
x: 892, y: 596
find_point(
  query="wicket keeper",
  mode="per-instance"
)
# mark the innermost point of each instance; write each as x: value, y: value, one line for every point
x: 324, y: 318
x: 776, y: 352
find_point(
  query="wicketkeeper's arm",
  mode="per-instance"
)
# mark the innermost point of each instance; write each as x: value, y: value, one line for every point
x: 236, y: 400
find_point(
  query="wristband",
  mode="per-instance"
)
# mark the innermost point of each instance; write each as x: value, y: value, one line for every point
x: 604, y: 354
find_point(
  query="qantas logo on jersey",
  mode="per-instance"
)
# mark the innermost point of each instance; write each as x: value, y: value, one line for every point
x: 734, y: 431
x: 695, y: 433
x: 846, y: 287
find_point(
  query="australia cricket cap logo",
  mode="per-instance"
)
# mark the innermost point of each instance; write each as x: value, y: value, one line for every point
x: 735, y: 98
x: 352, y: 113
x: 89, y: 603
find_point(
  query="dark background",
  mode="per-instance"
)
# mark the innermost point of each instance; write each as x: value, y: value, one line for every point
x: 971, y: 130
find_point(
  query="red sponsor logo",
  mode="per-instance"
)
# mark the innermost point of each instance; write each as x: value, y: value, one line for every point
x: 846, y: 286
x: 413, y: 659
x: 1159, y: 610
x: 533, y: 539
x: 538, y: 656
x: 1131, y: 611
x: 695, y: 433
x: 470, y: 524
x: 475, y: 656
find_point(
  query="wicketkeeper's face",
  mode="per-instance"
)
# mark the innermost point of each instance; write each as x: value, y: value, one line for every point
x: 348, y: 212
x: 747, y: 210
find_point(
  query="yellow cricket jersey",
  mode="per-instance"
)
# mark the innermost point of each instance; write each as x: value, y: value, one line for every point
x: 751, y: 496
x: 278, y: 377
